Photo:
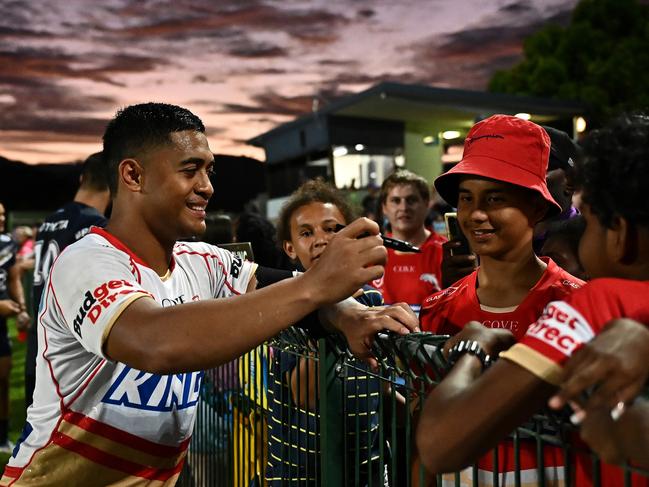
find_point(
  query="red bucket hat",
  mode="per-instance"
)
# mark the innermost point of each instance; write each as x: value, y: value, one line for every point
x: 507, y: 149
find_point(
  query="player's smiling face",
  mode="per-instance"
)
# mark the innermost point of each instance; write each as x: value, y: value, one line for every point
x: 176, y: 185
x: 312, y: 226
x: 497, y: 218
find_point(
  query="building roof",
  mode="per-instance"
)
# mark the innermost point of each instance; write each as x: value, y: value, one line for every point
x: 420, y: 103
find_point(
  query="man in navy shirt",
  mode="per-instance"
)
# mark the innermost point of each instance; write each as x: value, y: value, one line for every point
x: 63, y: 227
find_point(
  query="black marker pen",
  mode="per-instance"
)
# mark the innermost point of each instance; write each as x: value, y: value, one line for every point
x: 391, y: 243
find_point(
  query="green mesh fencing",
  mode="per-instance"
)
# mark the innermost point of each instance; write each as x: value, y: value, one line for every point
x: 301, y: 411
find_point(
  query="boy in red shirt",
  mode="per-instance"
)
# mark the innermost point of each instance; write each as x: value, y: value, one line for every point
x: 500, y: 191
x: 615, y: 247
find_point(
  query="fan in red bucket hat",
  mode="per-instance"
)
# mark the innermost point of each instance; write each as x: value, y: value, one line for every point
x: 507, y: 149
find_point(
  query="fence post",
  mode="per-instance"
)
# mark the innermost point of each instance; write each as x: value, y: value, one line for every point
x: 332, y: 446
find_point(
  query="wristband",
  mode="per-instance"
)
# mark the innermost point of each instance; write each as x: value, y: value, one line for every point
x: 472, y: 348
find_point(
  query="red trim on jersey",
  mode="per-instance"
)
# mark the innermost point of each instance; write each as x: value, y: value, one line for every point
x: 47, y: 360
x: 218, y: 260
x: 111, y: 461
x: 121, y: 436
x: 118, y: 244
x: 85, y: 384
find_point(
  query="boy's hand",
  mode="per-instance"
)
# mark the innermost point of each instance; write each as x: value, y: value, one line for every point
x: 353, y: 257
x: 614, y: 362
x: 492, y: 340
x: 455, y: 267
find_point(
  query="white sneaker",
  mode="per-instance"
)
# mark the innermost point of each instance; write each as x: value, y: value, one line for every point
x: 7, y: 447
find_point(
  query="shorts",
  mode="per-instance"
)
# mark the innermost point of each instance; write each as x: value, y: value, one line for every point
x: 5, y: 344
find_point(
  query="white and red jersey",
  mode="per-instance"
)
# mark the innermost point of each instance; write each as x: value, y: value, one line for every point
x: 410, y: 277
x: 567, y: 325
x: 99, y: 422
x: 446, y: 312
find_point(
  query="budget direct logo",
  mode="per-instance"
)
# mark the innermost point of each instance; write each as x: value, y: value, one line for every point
x: 99, y: 299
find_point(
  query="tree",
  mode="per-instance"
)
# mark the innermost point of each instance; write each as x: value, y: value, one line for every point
x: 600, y: 59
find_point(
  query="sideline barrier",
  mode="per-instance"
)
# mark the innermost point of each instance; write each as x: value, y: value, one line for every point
x: 302, y: 411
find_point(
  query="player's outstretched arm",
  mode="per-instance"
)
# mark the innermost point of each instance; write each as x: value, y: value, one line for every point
x: 469, y: 412
x: 204, y: 334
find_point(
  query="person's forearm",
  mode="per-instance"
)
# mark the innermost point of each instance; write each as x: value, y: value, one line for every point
x: 16, y: 291
x: 216, y: 331
x: 468, y: 413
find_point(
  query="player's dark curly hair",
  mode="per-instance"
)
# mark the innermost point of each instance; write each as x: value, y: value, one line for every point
x: 137, y: 128
x: 614, y: 175
x: 312, y: 191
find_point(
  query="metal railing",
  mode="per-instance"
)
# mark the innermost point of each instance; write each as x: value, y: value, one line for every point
x: 304, y: 412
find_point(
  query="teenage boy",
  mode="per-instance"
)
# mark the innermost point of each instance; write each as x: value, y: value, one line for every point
x: 306, y: 225
x: 615, y: 253
x: 500, y: 192
x: 409, y: 277
x: 129, y: 317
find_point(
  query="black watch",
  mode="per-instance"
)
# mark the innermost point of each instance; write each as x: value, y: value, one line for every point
x: 471, y: 347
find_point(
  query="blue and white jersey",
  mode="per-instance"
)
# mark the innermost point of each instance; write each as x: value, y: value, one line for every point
x: 8, y: 249
x: 98, y: 421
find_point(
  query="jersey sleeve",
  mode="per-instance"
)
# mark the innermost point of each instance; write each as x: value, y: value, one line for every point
x: 89, y: 290
x: 232, y: 273
x: 553, y: 338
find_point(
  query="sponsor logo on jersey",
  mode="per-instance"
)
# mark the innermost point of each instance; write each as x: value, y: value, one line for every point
x: 166, y: 302
x: 237, y: 264
x: 99, y: 299
x: 142, y: 390
x: 572, y: 284
x: 53, y: 226
x: 562, y: 327
x: 506, y: 324
x: 403, y: 268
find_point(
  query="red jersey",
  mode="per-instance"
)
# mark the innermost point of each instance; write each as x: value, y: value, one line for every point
x: 565, y: 326
x: 446, y: 312
x: 409, y: 277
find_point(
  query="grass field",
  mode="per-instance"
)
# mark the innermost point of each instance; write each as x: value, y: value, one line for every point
x: 17, y: 391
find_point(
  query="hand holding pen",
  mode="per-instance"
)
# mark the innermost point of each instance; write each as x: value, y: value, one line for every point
x: 391, y: 243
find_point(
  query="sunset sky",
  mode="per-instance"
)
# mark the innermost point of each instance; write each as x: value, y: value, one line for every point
x: 242, y: 66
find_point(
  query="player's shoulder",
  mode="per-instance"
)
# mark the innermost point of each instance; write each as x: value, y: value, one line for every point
x: 605, y: 288
x: 433, y: 242
x: 93, y: 248
x: 6, y: 240
x: 198, y: 249
x: 457, y: 291
x: 561, y: 281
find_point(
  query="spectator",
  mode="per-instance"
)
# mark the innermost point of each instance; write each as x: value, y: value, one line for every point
x: 500, y: 192
x: 306, y: 224
x: 130, y: 319
x: 614, y: 251
x: 256, y: 229
x: 564, y: 154
x: 65, y: 226
x: 409, y: 277
x: 561, y: 244
x: 12, y: 304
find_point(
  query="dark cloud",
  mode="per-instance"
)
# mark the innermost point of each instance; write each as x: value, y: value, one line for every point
x: 468, y: 58
x: 30, y: 64
x: 250, y: 49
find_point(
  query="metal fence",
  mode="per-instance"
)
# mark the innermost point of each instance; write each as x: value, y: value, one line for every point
x: 301, y: 411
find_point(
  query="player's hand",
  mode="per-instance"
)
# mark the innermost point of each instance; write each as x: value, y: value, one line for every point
x: 614, y: 363
x: 8, y: 308
x: 360, y: 324
x: 353, y: 257
x: 492, y: 340
x: 23, y: 321
x: 455, y: 267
